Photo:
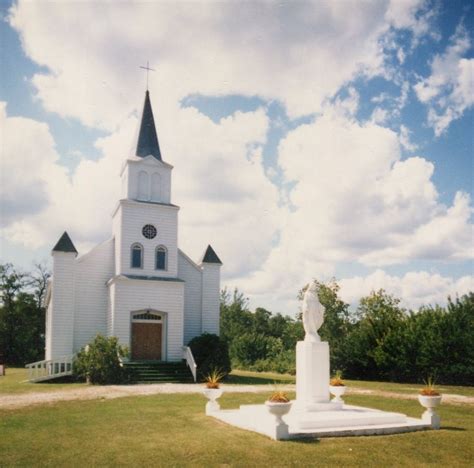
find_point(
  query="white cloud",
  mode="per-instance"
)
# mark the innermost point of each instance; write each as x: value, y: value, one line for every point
x: 449, y: 90
x: 405, y: 139
x: 414, y: 15
x: 389, y: 107
x: 219, y: 180
x: 92, y: 51
x: 415, y: 288
x: 379, y: 115
x: 27, y: 157
x: 355, y: 200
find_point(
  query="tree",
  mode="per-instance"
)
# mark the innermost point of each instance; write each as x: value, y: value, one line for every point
x: 22, y: 317
x: 258, y: 340
x: 235, y: 318
x: 38, y: 282
x: 373, y: 348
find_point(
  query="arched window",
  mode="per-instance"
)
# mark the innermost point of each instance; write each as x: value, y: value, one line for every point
x: 136, y: 256
x: 161, y: 258
x: 156, y: 187
x: 143, y: 186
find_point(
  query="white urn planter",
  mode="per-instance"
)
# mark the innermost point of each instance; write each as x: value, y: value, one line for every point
x: 212, y: 394
x: 278, y: 410
x: 430, y: 403
x: 337, y: 391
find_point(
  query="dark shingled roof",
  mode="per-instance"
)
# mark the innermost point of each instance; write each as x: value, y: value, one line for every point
x: 147, y: 138
x: 64, y: 244
x: 210, y: 256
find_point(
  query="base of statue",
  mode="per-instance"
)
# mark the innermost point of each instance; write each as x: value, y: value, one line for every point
x: 313, y: 414
x: 312, y: 377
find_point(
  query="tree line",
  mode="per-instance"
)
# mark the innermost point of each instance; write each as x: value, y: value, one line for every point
x: 380, y: 340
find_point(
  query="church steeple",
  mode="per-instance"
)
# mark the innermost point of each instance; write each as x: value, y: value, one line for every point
x: 147, y: 137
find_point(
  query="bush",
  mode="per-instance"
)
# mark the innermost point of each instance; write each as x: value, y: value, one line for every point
x: 210, y: 353
x: 99, y: 362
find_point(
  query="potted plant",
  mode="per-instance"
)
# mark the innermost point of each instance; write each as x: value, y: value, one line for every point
x: 337, y: 386
x: 429, y: 397
x: 278, y: 404
x: 212, y: 390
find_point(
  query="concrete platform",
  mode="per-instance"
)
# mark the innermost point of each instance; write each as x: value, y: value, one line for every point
x: 347, y: 421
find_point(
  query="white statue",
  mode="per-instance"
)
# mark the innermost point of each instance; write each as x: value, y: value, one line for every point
x: 313, y: 314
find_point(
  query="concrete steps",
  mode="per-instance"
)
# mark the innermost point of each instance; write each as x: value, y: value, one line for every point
x: 147, y: 372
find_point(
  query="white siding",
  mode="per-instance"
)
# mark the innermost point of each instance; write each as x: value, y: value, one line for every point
x: 210, y: 297
x: 192, y: 275
x: 117, y: 234
x: 111, y: 309
x: 93, y: 270
x: 62, y: 305
x: 134, y: 215
x: 162, y: 296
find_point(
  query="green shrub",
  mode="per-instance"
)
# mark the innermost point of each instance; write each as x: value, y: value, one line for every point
x: 248, y: 348
x: 283, y: 363
x: 210, y: 353
x: 99, y: 362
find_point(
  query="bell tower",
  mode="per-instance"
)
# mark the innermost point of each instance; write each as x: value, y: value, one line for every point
x: 145, y: 221
x: 145, y: 176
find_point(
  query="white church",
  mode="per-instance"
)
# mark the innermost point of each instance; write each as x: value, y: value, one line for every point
x: 137, y: 285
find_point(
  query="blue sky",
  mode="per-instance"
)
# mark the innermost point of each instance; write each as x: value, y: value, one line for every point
x: 345, y: 141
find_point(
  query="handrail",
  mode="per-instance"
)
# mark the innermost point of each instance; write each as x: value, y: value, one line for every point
x: 50, y: 368
x: 188, y: 355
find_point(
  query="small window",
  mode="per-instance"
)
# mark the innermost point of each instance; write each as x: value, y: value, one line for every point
x: 160, y: 262
x: 137, y: 256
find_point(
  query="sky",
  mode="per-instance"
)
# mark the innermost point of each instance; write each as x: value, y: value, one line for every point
x: 310, y: 140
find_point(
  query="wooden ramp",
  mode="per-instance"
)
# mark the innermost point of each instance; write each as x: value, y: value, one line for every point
x: 50, y: 369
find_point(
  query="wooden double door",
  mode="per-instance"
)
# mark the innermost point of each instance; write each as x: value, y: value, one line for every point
x: 147, y: 340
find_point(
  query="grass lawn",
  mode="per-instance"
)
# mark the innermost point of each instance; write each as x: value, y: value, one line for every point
x: 255, y: 378
x: 173, y: 430
x: 14, y: 382
x: 409, y: 388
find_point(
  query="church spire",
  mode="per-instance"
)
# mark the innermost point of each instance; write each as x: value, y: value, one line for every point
x: 147, y: 138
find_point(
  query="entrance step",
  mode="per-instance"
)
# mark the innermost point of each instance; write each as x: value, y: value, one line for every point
x: 147, y: 372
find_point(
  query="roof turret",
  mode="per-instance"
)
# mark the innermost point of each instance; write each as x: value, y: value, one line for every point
x: 65, y: 244
x: 210, y: 256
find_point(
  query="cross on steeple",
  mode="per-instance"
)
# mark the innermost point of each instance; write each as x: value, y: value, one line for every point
x: 148, y: 69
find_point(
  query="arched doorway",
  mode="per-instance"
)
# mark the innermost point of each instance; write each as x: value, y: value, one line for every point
x: 147, y: 335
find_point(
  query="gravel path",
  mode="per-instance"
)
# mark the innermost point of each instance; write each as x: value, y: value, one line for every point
x: 119, y: 391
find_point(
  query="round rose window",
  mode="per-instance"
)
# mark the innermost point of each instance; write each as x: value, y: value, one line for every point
x: 149, y: 231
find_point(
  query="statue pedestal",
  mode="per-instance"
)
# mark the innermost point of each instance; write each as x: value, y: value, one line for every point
x: 312, y: 377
